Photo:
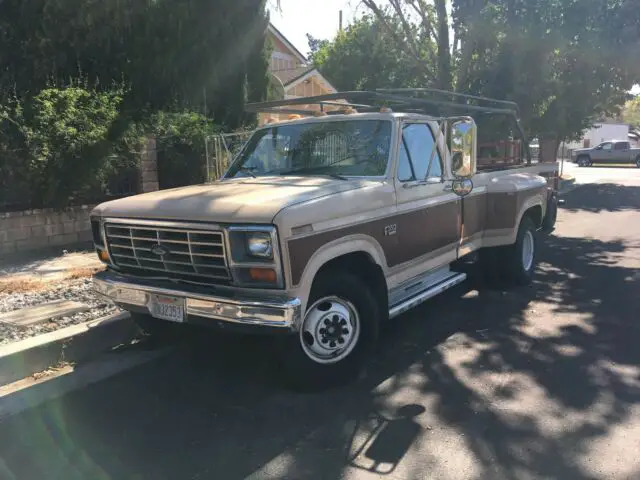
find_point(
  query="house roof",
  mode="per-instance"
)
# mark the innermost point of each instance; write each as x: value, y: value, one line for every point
x: 287, y: 43
x: 292, y: 74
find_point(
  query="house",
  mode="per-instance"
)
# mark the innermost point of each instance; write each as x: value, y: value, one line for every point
x: 291, y: 73
x: 600, y: 132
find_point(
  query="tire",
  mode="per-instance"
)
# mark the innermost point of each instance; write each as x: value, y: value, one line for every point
x: 518, y: 268
x: 312, y: 358
x: 638, y: 161
x: 552, y: 214
x: 156, y: 329
x: 583, y: 161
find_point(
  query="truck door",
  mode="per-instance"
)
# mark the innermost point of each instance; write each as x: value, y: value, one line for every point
x: 621, y: 152
x: 603, y: 153
x: 429, y: 214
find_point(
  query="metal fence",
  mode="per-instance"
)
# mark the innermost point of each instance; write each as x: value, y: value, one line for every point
x: 221, y: 149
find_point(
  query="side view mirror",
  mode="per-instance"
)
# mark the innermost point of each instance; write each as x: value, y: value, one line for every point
x: 463, y: 148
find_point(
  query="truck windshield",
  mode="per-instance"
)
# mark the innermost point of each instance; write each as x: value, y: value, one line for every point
x: 335, y: 148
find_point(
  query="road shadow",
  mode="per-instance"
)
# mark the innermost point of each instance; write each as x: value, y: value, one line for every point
x: 599, y: 197
x: 470, y: 375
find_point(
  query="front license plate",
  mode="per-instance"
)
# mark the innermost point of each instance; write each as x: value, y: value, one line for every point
x: 167, y: 308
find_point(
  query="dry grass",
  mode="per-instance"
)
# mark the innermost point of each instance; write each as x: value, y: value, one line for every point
x: 23, y: 283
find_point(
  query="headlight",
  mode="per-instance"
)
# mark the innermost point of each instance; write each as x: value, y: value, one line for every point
x: 254, y: 257
x: 259, y: 244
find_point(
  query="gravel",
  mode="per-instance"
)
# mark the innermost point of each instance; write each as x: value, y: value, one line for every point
x: 76, y: 290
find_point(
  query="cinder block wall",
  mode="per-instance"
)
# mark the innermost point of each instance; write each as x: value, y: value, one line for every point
x: 34, y: 229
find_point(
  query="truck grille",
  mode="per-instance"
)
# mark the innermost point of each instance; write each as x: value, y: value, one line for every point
x: 193, y: 254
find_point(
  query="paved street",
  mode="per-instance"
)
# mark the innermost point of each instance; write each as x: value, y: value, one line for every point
x: 539, y: 382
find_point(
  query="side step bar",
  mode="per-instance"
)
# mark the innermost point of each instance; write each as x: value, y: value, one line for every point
x: 425, y: 295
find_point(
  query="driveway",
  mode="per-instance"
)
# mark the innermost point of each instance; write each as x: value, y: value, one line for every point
x: 537, y: 382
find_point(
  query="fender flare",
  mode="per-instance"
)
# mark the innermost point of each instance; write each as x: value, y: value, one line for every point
x: 332, y: 250
x: 539, y: 200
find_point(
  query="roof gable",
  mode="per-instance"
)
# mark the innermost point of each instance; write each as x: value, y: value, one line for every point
x: 290, y: 46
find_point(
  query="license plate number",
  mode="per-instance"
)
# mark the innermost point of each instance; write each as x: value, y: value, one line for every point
x: 167, y: 308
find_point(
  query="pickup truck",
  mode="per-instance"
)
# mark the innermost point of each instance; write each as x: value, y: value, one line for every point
x: 611, y: 151
x: 326, y: 225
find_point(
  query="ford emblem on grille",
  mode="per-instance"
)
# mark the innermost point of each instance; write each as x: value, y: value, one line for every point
x: 160, y: 250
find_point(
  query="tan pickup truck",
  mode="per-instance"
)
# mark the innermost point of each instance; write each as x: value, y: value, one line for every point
x: 324, y: 227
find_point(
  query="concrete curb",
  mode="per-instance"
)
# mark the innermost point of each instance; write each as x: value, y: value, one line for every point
x: 71, y: 344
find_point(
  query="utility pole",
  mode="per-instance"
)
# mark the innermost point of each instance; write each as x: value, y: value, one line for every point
x: 340, y: 21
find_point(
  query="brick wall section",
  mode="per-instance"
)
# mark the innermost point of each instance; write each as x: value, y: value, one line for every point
x: 149, y: 166
x: 34, y: 229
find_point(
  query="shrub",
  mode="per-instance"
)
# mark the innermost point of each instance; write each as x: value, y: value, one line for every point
x: 59, y: 142
x: 180, y: 142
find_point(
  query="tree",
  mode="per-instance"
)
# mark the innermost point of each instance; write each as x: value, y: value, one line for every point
x: 315, y: 44
x: 167, y: 52
x: 631, y: 113
x: 564, y: 62
x: 364, y: 57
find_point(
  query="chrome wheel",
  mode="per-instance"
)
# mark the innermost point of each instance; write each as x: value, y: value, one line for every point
x: 528, y: 247
x: 330, y: 330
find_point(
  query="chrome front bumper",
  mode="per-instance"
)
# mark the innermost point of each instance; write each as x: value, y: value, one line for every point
x: 133, y: 293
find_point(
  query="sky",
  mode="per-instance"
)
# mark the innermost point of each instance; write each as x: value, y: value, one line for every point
x: 316, y: 17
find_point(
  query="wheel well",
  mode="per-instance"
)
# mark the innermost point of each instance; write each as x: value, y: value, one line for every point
x: 535, y: 213
x: 362, y: 265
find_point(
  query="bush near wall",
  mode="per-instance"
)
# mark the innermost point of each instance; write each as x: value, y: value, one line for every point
x: 55, y: 148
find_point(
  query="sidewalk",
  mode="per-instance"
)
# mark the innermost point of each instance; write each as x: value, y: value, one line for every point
x: 48, y: 277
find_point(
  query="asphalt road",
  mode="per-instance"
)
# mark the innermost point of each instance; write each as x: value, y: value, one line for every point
x: 538, y: 382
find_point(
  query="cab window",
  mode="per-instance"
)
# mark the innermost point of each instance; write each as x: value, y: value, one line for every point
x: 419, y: 155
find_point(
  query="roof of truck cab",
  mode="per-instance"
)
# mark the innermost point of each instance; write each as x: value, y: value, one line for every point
x: 352, y: 116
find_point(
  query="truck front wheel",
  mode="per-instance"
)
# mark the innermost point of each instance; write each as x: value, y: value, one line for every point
x: 336, y: 335
x: 583, y: 161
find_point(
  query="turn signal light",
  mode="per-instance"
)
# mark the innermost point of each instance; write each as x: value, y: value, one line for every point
x: 103, y: 256
x: 263, y: 275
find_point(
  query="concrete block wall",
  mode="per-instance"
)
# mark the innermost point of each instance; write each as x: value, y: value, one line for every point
x: 35, y: 229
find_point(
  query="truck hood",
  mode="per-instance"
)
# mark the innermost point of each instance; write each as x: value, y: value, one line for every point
x: 243, y: 200
x: 581, y: 150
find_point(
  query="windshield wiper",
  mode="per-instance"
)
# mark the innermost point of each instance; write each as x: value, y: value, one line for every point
x: 313, y: 171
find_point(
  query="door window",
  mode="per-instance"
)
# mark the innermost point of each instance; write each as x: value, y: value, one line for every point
x: 606, y: 146
x: 419, y: 155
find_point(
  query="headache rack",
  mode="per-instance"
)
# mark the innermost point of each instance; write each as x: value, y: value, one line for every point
x: 441, y: 105
x: 427, y: 101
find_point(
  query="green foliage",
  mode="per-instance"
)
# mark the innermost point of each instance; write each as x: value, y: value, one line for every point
x: 631, y: 113
x: 565, y: 62
x: 364, y: 56
x: 170, y: 53
x: 52, y: 141
x: 180, y: 143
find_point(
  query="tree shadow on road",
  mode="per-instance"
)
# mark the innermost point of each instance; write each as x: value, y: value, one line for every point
x: 608, y: 197
x: 469, y: 385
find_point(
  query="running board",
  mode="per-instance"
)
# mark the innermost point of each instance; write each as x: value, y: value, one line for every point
x: 425, y: 295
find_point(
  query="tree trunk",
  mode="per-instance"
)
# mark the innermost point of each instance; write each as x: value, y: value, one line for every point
x: 549, y: 149
x: 445, y: 74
